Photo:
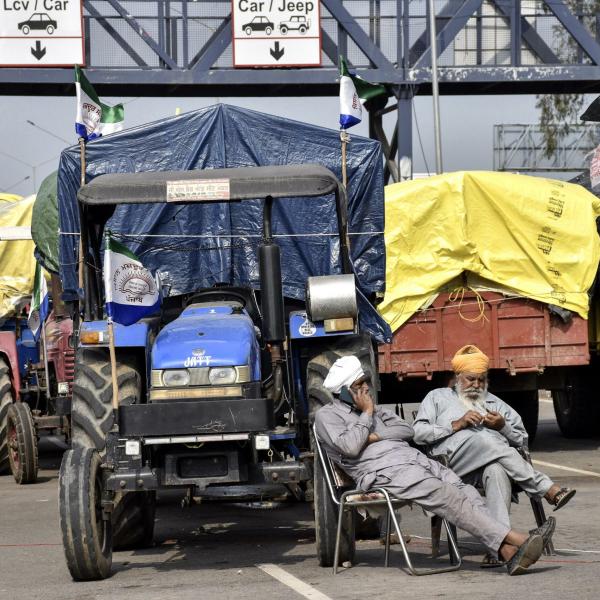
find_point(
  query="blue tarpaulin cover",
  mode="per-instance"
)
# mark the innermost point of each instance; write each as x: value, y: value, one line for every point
x: 218, y: 242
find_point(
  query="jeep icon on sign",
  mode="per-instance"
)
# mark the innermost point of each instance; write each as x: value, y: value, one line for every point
x: 259, y: 24
x: 38, y: 21
x: 296, y: 23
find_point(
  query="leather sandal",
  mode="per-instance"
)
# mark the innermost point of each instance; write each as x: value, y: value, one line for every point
x: 562, y: 497
x: 489, y: 561
x: 527, y: 554
x: 546, y: 529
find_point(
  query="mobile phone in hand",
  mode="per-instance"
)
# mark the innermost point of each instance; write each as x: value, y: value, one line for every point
x: 346, y: 396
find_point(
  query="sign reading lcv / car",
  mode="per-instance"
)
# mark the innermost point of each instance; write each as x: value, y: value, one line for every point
x: 41, y: 33
x: 276, y: 33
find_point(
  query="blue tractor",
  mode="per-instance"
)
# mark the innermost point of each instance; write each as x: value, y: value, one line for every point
x: 215, y: 392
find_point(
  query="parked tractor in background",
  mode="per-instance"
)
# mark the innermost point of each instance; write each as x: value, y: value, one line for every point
x: 35, y: 388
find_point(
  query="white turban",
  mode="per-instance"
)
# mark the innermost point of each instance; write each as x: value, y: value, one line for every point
x: 344, y: 371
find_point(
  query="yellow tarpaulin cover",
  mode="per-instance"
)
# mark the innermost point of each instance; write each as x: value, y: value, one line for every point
x: 531, y: 236
x: 17, y: 263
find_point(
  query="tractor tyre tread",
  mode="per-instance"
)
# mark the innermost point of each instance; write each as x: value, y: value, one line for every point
x: 26, y: 471
x: 87, y: 558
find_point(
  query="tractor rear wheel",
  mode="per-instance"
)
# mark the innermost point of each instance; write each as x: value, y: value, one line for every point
x: 91, y: 412
x: 326, y: 511
x: 22, y: 443
x: 133, y: 521
x: 86, y: 534
x: 6, y: 399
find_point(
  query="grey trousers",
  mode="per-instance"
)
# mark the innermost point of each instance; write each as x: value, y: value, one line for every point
x: 440, y: 491
x: 481, y: 450
x: 498, y: 490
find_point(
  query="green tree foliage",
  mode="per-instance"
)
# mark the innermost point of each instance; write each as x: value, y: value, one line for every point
x: 559, y: 112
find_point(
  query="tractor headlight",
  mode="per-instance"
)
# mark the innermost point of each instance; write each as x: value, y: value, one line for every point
x: 176, y: 377
x: 222, y: 375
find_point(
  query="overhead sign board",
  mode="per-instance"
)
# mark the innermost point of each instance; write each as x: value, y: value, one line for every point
x: 41, y: 33
x: 276, y: 33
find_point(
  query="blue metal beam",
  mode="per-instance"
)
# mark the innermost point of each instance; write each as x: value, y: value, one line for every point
x: 137, y: 59
x: 144, y: 35
x: 358, y: 35
x: 534, y: 42
x: 450, y: 31
x: 212, y: 50
x: 580, y: 34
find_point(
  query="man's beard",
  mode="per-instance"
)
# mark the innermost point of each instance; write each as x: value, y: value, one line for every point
x: 472, y: 397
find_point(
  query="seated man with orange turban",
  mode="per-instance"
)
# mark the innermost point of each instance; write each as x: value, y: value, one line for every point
x: 480, y: 433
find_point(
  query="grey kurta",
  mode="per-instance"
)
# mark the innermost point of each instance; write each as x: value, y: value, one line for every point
x: 405, y: 471
x: 474, y: 448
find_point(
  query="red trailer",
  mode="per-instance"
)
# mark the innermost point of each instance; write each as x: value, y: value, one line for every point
x: 530, y: 347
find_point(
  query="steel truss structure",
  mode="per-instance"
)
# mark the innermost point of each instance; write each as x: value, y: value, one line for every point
x: 521, y: 148
x: 180, y: 47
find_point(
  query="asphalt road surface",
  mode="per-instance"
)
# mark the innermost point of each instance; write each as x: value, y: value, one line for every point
x: 214, y: 551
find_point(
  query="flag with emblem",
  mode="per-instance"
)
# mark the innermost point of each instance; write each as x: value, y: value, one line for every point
x: 131, y: 291
x: 354, y: 91
x: 40, y: 303
x: 94, y: 118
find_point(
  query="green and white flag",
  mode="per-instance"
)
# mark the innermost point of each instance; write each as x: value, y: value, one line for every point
x: 131, y: 291
x: 354, y: 92
x: 94, y: 118
x: 40, y: 303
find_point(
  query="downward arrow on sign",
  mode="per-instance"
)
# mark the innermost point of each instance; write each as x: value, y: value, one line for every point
x: 39, y: 52
x: 276, y: 53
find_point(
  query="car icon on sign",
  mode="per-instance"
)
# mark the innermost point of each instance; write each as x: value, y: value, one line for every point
x: 39, y: 22
x: 295, y: 23
x: 259, y: 24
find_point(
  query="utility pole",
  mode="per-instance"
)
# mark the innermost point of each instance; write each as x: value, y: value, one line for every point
x: 435, y: 92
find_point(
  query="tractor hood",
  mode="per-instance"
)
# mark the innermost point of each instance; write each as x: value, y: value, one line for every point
x: 207, y: 336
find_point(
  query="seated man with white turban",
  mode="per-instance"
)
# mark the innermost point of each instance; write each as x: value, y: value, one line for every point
x: 479, y: 434
x: 370, y: 444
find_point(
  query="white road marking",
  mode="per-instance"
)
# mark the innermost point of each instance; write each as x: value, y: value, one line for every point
x: 293, y: 582
x: 546, y: 401
x: 562, y: 467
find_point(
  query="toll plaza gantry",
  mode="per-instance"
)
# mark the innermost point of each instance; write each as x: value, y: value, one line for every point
x: 196, y: 48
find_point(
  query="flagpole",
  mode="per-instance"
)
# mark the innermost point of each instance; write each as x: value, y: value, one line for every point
x: 344, y: 138
x: 46, y: 369
x: 81, y: 224
x: 113, y: 372
x: 111, y: 347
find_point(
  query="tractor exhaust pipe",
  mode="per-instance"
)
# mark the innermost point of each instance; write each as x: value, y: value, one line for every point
x: 271, y: 293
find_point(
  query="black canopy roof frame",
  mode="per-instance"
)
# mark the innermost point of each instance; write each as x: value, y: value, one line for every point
x: 105, y: 192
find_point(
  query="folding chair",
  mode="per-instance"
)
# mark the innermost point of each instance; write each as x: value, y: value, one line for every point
x: 355, y: 498
x: 536, y: 503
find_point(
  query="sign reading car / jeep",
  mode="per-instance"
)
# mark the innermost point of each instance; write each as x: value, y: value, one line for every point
x: 41, y: 33
x: 276, y: 33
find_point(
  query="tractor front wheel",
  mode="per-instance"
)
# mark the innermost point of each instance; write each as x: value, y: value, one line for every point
x: 86, y: 530
x: 22, y: 443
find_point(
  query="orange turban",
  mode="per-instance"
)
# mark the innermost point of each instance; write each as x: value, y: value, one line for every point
x: 470, y: 359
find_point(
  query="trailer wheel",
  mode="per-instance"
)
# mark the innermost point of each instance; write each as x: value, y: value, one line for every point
x: 133, y: 521
x: 86, y: 536
x: 326, y: 512
x: 526, y: 403
x: 576, y: 410
x: 6, y: 399
x: 22, y: 443
x: 91, y: 409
